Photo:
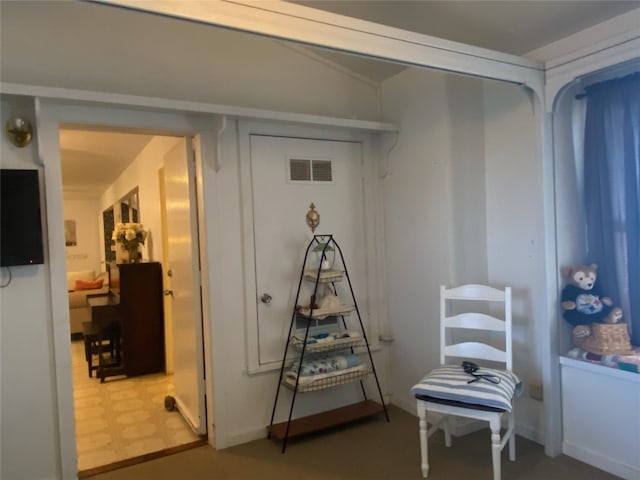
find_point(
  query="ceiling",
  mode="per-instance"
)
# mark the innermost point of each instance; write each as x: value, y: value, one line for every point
x: 516, y: 26
x: 92, y: 160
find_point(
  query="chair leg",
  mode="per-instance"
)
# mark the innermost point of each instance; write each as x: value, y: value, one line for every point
x: 87, y: 354
x: 512, y: 438
x: 424, y: 439
x: 495, y: 425
x: 448, y: 426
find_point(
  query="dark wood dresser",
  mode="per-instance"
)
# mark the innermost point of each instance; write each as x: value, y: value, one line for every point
x: 136, y: 294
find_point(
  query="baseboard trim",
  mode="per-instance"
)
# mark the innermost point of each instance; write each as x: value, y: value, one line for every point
x: 259, y: 433
x: 530, y: 433
x: 601, y: 461
x: 90, y: 472
x: 244, y: 437
x: 406, y: 405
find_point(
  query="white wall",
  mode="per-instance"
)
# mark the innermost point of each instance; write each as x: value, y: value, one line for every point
x: 86, y: 254
x: 418, y: 222
x: 27, y: 375
x: 463, y: 203
x: 468, y: 190
x: 515, y: 230
x: 87, y: 210
x: 143, y: 174
x: 233, y: 68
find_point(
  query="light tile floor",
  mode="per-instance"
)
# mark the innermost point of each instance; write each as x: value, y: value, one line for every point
x: 123, y: 417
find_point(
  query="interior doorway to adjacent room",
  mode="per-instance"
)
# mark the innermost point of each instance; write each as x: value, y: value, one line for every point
x: 125, y: 418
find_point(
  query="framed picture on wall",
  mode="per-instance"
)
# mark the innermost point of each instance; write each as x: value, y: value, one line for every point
x: 70, y: 239
x: 108, y: 221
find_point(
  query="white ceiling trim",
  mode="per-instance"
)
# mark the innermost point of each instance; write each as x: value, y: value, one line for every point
x: 305, y: 25
x: 155, y: 103
x: 594, y: 58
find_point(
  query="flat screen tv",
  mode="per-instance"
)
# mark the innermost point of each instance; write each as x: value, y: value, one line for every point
x: 21, y: 226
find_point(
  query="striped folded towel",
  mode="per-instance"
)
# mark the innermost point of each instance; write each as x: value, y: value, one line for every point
x: 449, y: 382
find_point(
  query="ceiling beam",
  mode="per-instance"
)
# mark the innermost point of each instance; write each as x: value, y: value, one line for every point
x: 297, y: 23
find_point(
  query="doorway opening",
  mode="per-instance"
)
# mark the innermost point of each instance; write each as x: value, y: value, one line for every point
x: 116, y: 176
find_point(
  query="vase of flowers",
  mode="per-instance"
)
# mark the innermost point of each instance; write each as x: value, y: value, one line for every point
x: 130, y: 236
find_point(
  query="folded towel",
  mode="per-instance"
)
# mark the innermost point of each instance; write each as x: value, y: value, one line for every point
x: 327, y: 337
x: 325, y: 364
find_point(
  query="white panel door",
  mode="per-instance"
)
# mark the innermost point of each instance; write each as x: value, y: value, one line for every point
x: 281, y: 233
x: 186, y: 307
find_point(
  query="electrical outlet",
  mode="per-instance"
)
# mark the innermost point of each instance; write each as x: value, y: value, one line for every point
x: 535, y: 391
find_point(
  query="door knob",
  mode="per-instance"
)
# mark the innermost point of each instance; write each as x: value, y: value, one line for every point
x: 167, y: 293
x: 266, y: 298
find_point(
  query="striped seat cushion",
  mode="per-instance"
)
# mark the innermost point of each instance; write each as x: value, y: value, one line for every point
x: 449, y: 383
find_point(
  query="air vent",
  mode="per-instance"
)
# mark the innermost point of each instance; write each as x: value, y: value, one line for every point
x: 303, y: 170
x: 321, y: 171
x: 300, y: 170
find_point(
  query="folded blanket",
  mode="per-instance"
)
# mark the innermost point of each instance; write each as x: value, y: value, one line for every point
x: 607, y: 360
x: 326, y: 337
x: 630, y: 363
x: 325, y: 364
x: 290, y: 375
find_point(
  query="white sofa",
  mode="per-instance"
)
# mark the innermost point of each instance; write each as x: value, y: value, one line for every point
x: 79, y: 312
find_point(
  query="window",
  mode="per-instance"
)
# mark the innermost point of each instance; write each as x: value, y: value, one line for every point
x: 612, y: 190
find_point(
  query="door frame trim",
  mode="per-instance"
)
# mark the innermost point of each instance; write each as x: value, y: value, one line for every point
x: 51, y: 116
x: 189, y: 145
x: 374, y: 250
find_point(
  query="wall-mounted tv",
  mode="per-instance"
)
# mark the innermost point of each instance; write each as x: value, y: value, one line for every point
x: 21, y: 227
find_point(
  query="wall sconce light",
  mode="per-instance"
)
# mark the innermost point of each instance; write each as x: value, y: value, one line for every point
x: 19, y: 131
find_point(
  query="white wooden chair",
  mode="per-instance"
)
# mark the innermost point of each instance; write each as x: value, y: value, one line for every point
x: 450, y: 391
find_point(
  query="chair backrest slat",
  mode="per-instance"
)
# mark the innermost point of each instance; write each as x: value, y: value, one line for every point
x: 476, y: 321
x: 475, y: 292
x: 475, y: 350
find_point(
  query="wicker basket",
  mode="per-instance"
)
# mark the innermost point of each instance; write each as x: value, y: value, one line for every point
x: 339, y: 344
x: 330, y: 381
x: 607, y: 339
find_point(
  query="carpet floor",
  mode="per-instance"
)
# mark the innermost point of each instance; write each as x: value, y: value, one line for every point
x: 370, y: 449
